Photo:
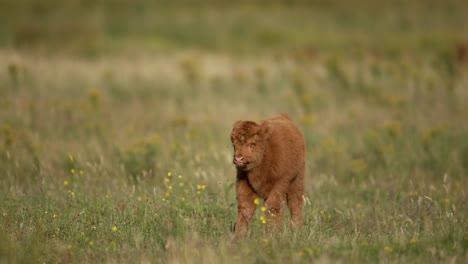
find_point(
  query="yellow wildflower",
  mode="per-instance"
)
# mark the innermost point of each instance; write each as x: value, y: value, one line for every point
x: 263, y: 208
x: 329, y: 143
x: 388, y: 249
x: 180, y: 176
x: 359, y: 165
x: 91, y: 243
x: 169, y: 174
x: 308, y: 120
x: 94, y: 97
x: 114, y: 228
x: 65, y: 183
x: 256, y: 202
x: 446, y: 200
x: 72, y: 171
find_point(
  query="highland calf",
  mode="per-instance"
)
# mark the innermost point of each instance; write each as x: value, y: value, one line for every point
x: 270, y: 164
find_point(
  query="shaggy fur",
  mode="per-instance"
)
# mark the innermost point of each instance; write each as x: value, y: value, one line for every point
x: 270, y: 163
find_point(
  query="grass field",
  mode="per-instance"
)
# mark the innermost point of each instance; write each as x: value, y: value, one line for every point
x: 115, y: 119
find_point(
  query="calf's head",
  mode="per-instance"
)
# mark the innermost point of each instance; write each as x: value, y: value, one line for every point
x: 249, y: 141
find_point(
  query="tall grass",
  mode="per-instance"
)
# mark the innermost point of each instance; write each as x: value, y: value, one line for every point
x: 119, y: 158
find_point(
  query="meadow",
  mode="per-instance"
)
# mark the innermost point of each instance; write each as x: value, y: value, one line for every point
x: 115, y: 119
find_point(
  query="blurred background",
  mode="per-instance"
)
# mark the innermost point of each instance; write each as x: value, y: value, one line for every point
x: 115, y: 69
x: 94, y: 28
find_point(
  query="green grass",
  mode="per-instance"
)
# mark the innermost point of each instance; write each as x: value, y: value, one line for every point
x: 96, y: 109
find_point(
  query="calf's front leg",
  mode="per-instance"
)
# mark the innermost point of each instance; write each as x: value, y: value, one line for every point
x: 245, y: 207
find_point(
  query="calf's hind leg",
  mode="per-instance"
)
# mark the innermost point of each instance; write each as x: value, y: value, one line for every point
x: 275, y: 204
x: 295, y: 197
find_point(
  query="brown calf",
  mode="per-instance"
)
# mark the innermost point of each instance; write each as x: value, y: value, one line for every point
x: 270, y: 163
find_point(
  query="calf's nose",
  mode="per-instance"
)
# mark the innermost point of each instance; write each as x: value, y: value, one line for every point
x: 239, y: 158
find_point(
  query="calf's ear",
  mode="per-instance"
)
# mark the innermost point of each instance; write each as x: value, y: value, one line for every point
x: 265, y: 130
